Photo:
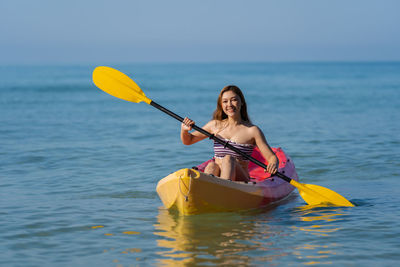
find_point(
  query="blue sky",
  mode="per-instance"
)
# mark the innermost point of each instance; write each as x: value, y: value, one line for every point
x: 86, y: 31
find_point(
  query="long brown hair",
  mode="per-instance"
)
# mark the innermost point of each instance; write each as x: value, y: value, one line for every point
x: 220, y: 115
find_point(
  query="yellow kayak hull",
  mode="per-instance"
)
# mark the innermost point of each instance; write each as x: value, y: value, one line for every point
x: 193, y: 192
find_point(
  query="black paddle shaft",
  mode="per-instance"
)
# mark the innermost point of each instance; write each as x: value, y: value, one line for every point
x: 225, y: 143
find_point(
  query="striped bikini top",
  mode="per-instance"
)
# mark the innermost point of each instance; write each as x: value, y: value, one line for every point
x: 220, y: 150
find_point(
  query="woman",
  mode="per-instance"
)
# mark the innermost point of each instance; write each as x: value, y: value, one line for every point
x: 231, y: 123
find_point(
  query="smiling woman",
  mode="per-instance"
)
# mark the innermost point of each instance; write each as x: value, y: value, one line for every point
x: 232, y: 124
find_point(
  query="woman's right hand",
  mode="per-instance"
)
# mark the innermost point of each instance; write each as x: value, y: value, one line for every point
x: 187, y: 124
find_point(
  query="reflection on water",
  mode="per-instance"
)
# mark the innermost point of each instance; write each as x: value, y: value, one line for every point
x: 323, y: 223
x: 319, y: 216
x: 303, y: 234
x: 224, y: 238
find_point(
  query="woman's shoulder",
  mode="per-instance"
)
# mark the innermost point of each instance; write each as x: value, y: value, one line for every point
x: 250, y: 126
x: 254, y: 129
x: 213, y: 125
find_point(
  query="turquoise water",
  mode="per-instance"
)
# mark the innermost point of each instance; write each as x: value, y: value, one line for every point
x: 78, y: 167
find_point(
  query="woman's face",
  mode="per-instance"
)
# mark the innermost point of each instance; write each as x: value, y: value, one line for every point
x: 231, y: 103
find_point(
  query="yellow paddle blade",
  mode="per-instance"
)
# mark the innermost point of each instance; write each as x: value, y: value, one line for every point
x: 317, y: 195
x: 118, y: 84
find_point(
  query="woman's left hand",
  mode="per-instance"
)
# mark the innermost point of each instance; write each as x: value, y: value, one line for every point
x: 272, y: 168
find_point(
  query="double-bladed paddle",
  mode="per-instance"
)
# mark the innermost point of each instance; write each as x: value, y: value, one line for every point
x: 121, y: 86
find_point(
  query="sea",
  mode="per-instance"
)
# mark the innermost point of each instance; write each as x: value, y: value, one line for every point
x: 79, y: 168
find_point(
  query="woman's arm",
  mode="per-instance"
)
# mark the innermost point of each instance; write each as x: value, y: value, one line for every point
x: 266, y: 150
x: 191, y: 138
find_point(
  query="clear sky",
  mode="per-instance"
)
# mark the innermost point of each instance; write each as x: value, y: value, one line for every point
x: 125, y: 31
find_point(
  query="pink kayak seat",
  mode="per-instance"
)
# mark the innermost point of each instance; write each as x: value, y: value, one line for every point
x: 255, y: 171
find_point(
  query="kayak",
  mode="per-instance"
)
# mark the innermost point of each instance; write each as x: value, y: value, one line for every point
x: 191, y: 191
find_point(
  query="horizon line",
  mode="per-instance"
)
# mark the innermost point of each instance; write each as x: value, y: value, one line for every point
x: 98, y: 63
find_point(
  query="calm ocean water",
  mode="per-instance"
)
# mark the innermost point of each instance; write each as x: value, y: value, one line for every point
x: 78, y: 168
